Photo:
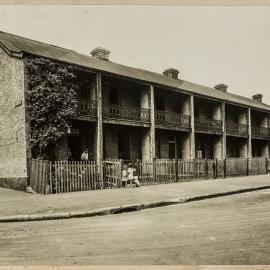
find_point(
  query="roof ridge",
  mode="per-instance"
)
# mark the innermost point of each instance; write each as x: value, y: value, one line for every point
x: 70, y: 56
x: 33, y: 40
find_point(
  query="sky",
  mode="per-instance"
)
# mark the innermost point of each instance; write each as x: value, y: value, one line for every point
x: 207, y: 44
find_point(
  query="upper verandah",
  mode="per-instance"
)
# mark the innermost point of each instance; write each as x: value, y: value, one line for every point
x: 18, y: 46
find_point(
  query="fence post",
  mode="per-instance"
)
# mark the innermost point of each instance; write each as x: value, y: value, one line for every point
x: 50, y: 178
x: 206, y: 168
x: 119, y: 182
x: 29, y: 168
x: 247, y: 166
x: 154, y: 169
x: 215, y: 168
x: 224, y: 168
x: 176, y: 169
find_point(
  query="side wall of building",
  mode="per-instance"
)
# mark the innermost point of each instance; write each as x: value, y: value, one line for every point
x: 13, y: 164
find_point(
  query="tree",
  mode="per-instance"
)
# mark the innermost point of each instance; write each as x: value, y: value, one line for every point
x: 51, y: 100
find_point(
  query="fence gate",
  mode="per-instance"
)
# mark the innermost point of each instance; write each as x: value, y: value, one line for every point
x: 112, y: 171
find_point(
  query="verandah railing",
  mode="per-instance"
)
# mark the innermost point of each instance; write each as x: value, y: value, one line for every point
x: 236, y: 128
x: 204, y: 124
x: 68, y: 176
x: 172, y: 119
x: 263, y: 132
x: 88, y: 107
x: 116, y: 111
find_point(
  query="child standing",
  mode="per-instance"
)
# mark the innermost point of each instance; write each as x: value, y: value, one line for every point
x: 124, y: 176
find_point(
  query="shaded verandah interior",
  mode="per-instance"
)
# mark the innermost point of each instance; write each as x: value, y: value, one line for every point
x: 208, y: 146
x: 236, y: 147
x: 125, y: 142
x: 171, y: 144
x: 260, y: 148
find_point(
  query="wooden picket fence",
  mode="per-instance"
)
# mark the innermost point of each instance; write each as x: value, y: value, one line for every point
x: 74, y: 176
x: 68, y: 176
x: 257, y: 166
x: 39, y: 175
x: 63, y: 176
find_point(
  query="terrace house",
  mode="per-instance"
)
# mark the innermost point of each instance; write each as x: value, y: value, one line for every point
x: 128, y: 113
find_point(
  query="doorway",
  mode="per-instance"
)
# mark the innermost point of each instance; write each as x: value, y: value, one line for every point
x: 123, y: 145
x: 172, y: 149
x: 74, y: 144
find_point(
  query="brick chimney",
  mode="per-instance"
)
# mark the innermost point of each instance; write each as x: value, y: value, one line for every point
x: 257, y: 97
x: 221, y: 87
x: 171, y: 73
x: 101, y: 53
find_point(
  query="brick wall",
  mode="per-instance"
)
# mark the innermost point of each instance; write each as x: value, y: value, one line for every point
x: 13, y: 167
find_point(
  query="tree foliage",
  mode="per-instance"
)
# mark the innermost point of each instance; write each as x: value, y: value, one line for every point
x: 51, y: 99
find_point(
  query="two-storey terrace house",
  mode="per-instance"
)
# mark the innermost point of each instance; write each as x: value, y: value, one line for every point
x: 127, y: 113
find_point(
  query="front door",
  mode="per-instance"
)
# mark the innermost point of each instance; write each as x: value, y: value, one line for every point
x: 171, y: 149
x: 123, y: 145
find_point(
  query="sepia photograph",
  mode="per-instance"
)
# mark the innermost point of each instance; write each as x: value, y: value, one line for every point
x: 134, y: 135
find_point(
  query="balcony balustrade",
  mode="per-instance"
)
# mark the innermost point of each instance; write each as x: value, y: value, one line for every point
x: 208, y: 125
x: 164, y: 118
x: 262, y: 132
x: 126, y: 112
x: 238, y: 129
x: 88, y: 108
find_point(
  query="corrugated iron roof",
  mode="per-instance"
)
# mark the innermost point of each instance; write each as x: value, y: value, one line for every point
x: 17, y: 46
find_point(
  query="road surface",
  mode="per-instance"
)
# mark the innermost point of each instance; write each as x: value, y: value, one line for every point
x: 226, y: 230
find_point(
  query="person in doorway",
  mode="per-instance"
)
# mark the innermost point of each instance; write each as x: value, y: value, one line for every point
x: 69, y: 156
x: 136, y: 173
x: 84, y: 155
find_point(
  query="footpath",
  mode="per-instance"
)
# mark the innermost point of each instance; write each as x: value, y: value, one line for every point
x: 22, y: 206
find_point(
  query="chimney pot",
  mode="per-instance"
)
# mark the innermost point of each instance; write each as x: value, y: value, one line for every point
x: 171, y: 73
x: 101, y: 53
x: 257, y: 97
x: 221, y: 87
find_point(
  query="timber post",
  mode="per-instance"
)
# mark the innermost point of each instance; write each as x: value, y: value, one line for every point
x: 99, y: 128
